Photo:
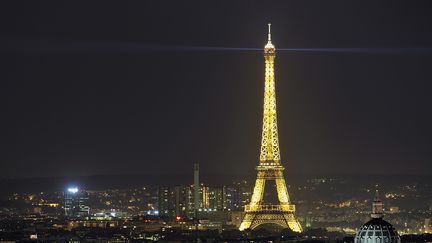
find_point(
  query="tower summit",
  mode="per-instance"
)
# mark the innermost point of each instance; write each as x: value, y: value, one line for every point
x: 259, y: 212
x: 269, y: 43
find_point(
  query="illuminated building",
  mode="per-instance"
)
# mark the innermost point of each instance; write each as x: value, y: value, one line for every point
x: 183, y: 201
x: 236, y: 196
x: 270, y: 168
x: 244, y: 193
x: 394, y: 210
x: 377, y: 230
x: 231, y: 198
x: 204, y: 193
x: 76, y: 203
x: 166, y: 202
x: 174, y: 201
x: 217, y: 198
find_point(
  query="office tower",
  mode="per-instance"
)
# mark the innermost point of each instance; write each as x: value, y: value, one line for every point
x: 76, y: 203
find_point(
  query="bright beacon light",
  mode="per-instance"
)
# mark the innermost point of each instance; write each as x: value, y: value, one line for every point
x: 73, y: 189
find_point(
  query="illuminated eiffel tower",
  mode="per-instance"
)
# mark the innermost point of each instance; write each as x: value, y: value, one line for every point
x: 270, y: 168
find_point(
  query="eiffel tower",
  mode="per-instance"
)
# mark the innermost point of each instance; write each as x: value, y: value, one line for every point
x: 270, y: 168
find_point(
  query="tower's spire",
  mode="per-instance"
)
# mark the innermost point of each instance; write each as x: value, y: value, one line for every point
x: 269, y: 46
x: 269, y: 32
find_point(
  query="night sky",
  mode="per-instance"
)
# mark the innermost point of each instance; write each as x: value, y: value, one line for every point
x: 126, y: 87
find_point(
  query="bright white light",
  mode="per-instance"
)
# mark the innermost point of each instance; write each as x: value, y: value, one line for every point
x: 73, y: 189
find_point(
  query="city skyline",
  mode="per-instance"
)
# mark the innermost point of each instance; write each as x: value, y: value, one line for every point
x: 131, y: 93
x: 338, y: 205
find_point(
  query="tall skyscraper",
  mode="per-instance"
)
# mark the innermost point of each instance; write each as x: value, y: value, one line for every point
x: 270, y: 168
x: 76, y: 203
x: 174, y: 202
x: 166, y: 202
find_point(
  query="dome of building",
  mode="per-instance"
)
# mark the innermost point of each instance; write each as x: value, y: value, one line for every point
x: 377, y: 230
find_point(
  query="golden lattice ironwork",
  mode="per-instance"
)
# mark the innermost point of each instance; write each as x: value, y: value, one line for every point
x: 270, y: 168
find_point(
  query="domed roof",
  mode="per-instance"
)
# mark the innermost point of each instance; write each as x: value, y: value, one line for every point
x: 377, y: 230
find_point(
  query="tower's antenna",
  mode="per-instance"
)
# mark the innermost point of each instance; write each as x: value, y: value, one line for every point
x: 269, y: 32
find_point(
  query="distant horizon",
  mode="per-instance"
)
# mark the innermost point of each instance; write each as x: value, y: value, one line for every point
x: 100, y: 182
x: 211, y: 174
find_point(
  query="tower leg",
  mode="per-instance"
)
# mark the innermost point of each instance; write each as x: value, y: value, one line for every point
x: 292, y: 223
x: 247, y: 221
x: 282, y: 190
x: 258, y: 192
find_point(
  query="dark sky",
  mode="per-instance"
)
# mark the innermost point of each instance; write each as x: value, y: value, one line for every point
x: 99, y: 87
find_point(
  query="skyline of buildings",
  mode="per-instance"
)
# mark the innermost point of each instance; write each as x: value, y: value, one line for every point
x: 342, y: 214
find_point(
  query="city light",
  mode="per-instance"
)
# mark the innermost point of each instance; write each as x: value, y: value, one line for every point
x: 153, y: 212
x: 73, y: 189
